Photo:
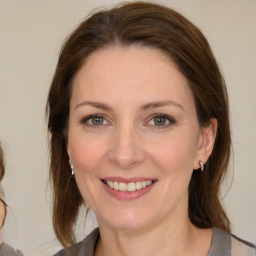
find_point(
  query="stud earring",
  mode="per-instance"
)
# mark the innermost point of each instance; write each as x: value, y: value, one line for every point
x: 201, y: 166
x: 71, y: 167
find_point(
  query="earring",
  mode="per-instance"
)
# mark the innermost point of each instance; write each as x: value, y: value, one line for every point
x: 201, y: 166
x: 72, y: 168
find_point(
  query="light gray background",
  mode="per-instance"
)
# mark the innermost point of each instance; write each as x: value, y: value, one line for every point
x: 31, y: 33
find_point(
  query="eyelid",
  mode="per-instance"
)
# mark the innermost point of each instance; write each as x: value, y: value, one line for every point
x: 85, y: 120
x: 160, y: 115
x: 171, y: 120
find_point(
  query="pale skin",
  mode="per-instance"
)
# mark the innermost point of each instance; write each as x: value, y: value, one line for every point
x: 2, y: 216
x: 2, y: 212
x: 132, y: 114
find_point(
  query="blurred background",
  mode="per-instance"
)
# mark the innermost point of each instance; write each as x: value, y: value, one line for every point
x: 31, y: 34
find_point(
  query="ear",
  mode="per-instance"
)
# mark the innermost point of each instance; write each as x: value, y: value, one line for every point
x: 206, y: 143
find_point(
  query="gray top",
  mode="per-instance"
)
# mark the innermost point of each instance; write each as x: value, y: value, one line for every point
x: 223, y: 244
x: 7, y: 250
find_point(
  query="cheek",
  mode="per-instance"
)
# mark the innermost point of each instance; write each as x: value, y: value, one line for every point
x: 86, y: 152
x: 174, y: 154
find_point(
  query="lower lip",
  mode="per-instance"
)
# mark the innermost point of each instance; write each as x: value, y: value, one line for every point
x: 121, y: 195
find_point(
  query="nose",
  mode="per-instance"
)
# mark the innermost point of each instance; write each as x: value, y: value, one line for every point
x: 126, y: 148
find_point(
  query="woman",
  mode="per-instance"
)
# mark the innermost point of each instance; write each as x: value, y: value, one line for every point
x: 5, y: 249
x: 139, y: 123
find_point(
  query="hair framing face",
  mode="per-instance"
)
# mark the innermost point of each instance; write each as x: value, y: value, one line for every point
x: 146, y: 25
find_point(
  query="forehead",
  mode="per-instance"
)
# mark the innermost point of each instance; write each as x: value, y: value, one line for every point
x: 130, y: 74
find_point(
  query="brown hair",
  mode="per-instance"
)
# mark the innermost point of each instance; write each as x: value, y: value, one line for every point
x: 148, y: 25
x: 2, y: 167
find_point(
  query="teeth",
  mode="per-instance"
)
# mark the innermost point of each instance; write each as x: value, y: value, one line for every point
x: 116, y: 186
x: 149, y: 182
x: 123, y: 186
x: 131, y: 187
x: 110, y: 184
x: 138, y: 185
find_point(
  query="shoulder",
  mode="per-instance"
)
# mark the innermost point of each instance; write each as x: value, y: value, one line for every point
x: 225, y: 244
x: 74, y: 250
x: 7, y: 250
x: 83, y: 248
x: 241, y: 247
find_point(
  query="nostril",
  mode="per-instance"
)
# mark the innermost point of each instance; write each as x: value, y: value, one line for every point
x: 124, y: 163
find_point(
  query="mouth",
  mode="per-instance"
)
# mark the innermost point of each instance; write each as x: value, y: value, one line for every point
x: 128, y: 186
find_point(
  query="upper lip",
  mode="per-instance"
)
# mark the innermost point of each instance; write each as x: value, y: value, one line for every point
x: 128, y: 180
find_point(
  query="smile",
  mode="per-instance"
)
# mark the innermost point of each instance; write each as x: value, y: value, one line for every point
x: 128, y: 187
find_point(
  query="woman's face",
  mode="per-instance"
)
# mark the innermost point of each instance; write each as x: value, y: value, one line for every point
x: 134, y: 138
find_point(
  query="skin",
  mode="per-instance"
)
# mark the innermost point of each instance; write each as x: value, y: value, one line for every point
x: 129, y: 143
x: 2, y: 216
x: 2, y: 213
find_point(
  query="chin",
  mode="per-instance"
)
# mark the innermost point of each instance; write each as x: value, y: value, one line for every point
x: 127, y: 220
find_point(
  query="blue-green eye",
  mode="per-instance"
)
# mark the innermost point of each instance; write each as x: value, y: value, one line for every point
x: 94, y: 120
x: 161, y: 120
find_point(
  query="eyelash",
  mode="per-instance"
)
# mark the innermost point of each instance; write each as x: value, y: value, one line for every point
x: 170, y: 119
x: 86, y: 119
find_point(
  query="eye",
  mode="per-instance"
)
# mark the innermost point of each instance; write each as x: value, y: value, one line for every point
x: 161, y: 120
x: 94, y: 120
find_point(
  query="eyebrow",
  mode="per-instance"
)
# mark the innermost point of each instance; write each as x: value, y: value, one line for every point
x: 160, y: 104
x: 144, y: 107
x: 95, y: 104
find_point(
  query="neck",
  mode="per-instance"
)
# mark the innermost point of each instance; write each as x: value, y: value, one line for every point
x: 177, y: 238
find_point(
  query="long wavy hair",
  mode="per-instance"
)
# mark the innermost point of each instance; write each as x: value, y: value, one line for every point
x: 155, y: 26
